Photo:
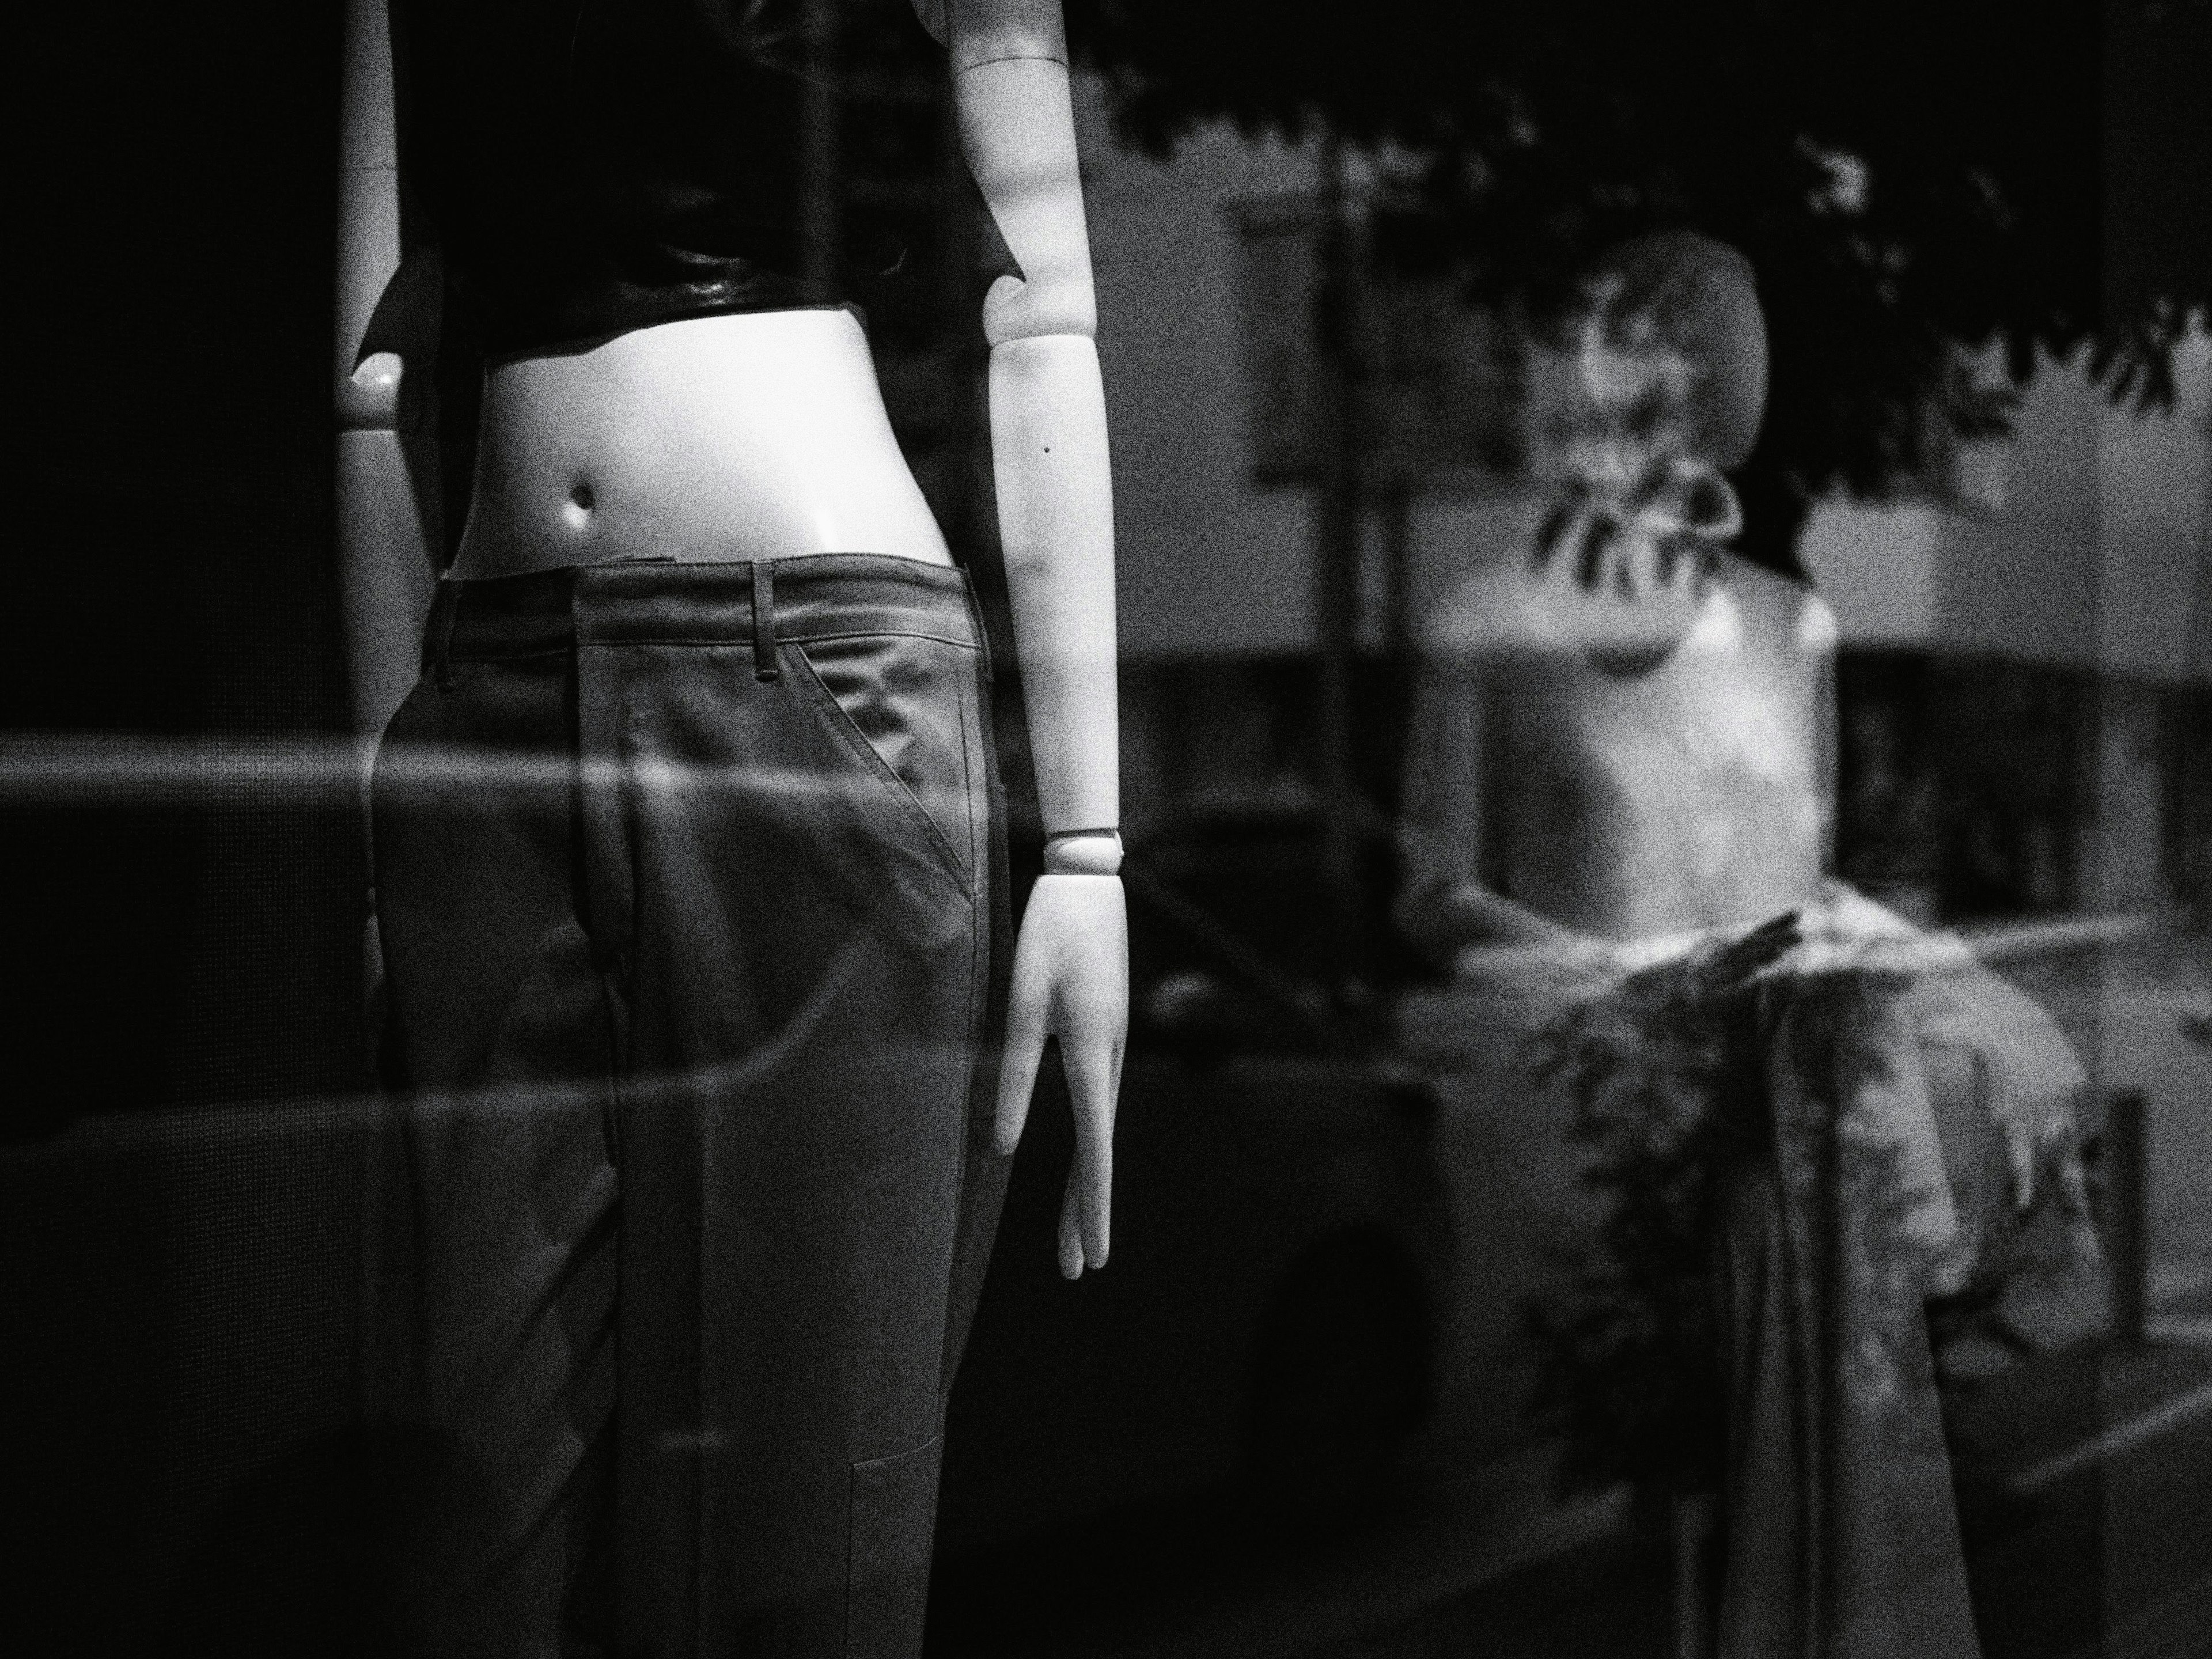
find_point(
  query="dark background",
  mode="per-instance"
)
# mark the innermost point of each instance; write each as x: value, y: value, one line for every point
x: 173, y: 227
x: 170, y: 573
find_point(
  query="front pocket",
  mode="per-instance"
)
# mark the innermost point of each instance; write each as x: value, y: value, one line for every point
x: 904, y: 706
x: 893, y: 1523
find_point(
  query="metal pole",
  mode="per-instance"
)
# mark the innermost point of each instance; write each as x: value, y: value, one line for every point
x: 1336, y: 575
x: 1397, y: 567
x: 2126, y: 1220
x: 2199, y: 664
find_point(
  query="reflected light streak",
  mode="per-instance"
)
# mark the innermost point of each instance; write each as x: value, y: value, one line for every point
x: 93, y: 1134
x: 38, y: 769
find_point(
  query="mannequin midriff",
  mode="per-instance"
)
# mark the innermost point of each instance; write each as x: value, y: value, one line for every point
x: 743, y: 435
x: 1687, y: 794
x: 1574, y: 788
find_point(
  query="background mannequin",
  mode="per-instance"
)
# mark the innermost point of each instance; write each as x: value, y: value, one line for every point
x: 1662, y: 708
x: 653, y: 455
x: 1618, y: 818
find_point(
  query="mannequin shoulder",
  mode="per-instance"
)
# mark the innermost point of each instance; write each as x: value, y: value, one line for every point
x: 1785, y: 613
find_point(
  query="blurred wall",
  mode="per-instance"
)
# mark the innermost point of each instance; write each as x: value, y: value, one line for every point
x: 1209, y: 563
x: 2154, y: 472
x: 2091, y: 556
x: 1880, y: 567
x: 2088, y: 558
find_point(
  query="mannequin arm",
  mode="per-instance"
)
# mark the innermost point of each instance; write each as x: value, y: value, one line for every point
x: 1450, y: 920
x: 1445, y: 905
x: 384, y: 565
x: 1047, y: 414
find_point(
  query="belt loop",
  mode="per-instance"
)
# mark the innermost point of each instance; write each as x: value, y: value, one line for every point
x: 976, y: 621
x: 764, y: 661
x: 438, y: 634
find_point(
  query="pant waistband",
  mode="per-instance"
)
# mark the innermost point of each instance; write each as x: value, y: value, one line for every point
x: 759, y: 602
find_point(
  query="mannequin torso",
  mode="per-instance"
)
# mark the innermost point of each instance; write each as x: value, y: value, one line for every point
x: 1684, y: 797
x: 750, y: 435
x: 653, y: 433
x: 1685, y: 787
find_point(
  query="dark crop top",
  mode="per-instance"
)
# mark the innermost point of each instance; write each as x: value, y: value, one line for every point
x: 591, y: 166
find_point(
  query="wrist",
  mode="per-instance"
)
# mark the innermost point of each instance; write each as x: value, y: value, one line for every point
x: 1084, y: 853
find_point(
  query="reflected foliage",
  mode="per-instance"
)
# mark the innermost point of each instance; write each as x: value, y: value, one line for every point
x: 1903, y: 178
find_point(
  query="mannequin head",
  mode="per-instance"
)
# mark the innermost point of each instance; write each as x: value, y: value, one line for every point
x: 1646, y: 386
x: 1661, y: 351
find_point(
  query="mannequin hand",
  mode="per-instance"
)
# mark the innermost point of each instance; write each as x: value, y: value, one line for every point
x: 1072, y: 981
x: 1722, y: 969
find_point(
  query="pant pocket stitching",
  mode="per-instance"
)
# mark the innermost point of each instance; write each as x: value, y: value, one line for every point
x: 867, y: 1637
x: 871, y: 759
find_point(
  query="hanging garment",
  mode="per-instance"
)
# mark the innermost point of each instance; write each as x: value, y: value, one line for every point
x: 1776, y: 1170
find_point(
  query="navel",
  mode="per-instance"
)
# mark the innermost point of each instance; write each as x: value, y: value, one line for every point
x: 577, y: 509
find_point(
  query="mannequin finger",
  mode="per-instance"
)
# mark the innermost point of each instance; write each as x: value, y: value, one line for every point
x: 1097, y: 1213
x: 1765, y: 943
x: 1017, y: 1067
x: 1071, y: 1227
x: 1090, y: 1068
x: 1089, y: 1056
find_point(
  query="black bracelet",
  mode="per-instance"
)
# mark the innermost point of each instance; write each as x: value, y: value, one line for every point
x: 1070, y: 835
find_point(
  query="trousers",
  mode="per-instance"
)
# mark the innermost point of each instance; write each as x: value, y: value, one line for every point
x: 689, y: 879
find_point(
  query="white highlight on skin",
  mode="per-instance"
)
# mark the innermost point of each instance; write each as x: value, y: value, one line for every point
x: 380, y: 370
x: 1718, y: 629
x: 1754, y: 732
x: 1817, y: 632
